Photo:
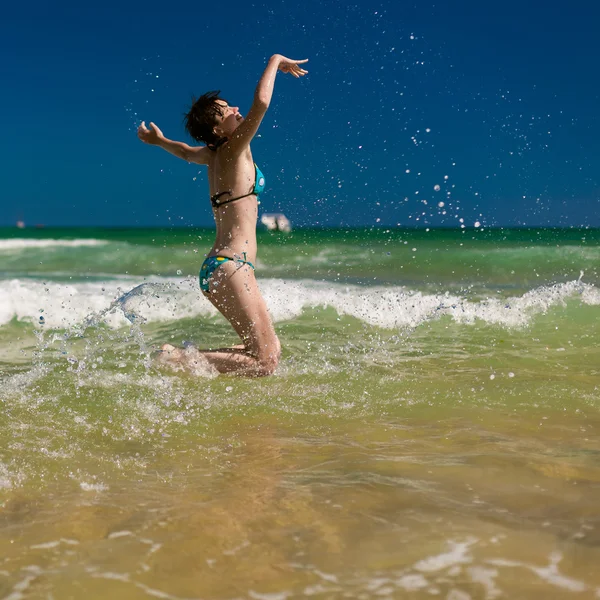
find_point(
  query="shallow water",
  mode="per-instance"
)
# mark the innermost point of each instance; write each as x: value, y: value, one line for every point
x: 426, y: 437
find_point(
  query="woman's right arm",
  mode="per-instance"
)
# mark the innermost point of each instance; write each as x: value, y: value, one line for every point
x: 154, y: 136
x: 262, y: 98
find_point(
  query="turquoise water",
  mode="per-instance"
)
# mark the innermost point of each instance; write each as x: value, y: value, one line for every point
x: 431, y: 429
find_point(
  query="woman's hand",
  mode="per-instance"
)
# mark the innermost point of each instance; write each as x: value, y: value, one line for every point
x: 287, y: 65
x: 151, y: 136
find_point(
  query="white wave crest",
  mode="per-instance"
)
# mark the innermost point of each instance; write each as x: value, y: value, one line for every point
x: 21, y: 244
x: 391, y: 307
x: 59, y: 305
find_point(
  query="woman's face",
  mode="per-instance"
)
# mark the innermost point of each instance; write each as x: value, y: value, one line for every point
x: 228, y: 122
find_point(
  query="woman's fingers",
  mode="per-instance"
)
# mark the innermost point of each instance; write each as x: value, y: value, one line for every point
x: 294, y: 69
x: 291, y: 67
x: 143, y: 132
x: 291, y: 60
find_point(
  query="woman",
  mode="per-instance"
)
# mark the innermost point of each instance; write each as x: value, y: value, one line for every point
x: 227, y: 275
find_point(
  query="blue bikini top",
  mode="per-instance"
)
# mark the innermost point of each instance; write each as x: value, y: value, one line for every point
x: 259, y: 186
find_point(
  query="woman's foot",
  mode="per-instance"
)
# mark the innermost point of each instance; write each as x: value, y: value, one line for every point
x: 188, y: 359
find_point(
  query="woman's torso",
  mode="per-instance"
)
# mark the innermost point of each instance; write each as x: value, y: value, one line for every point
x: 235, y: 221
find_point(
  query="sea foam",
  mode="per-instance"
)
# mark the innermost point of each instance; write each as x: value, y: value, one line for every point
x: 59, y: 305
x: 20, y: 244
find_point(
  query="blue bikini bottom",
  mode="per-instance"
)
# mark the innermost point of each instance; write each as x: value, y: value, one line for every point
x: 214, y: 262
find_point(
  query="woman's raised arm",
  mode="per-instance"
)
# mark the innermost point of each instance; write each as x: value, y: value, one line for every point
x: 262, y: 98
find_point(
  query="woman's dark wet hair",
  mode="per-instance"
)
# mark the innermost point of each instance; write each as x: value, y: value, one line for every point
x: 201, y: 119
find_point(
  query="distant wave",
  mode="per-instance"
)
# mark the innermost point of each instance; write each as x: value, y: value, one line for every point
x: 169, y: 299
x: 18, y: 243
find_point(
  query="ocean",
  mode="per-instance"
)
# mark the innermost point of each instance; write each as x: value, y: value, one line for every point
x: 432, y: 429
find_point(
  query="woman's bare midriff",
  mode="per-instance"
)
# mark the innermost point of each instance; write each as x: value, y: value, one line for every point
x: 236, y: 229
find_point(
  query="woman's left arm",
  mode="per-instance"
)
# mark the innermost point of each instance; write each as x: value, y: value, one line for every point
x: 243, y: 135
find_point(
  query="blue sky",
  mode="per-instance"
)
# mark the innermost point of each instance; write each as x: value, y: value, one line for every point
x: 494, y: 103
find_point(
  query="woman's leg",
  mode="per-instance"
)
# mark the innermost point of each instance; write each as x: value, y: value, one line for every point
x: 235, y: 294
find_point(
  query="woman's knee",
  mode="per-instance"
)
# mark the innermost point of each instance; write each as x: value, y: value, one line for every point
x: 277, y: 348
x: 266, y: 368
x: 268, y: 358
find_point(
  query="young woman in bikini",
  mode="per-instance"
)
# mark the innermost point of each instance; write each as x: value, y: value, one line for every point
x: 227, y: 275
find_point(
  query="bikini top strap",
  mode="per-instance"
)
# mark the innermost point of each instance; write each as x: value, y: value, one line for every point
x: 214, y: 199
